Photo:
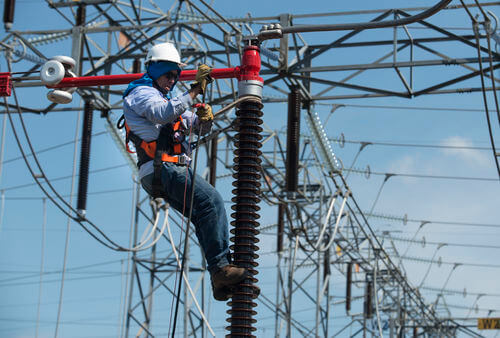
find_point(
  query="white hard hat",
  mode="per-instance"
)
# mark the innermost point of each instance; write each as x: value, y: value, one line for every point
x: 164, y: 52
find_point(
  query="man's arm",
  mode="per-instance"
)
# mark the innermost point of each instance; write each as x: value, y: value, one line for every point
x: 194, y: 125
x: 194, y: 91
x: 148, y: 102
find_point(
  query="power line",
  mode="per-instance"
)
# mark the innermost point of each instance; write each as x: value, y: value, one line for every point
x: 459, y: 292
x: 105, y: 275
x: 425, y: 260
x: 65, y: 177
x: 481, y: 246
x: 405, y: 219
x: 468, y: 308
x: 413, y: 145
x: 442, y: 177
x: 340, y: 140
x: 24, y: 320
x: 82, y: 267
x: 50, y: 148
x: 72, y: 300
x: 77, y: 268
x: 100, y: 192
x: 372, y: 106
x: 75, y: 230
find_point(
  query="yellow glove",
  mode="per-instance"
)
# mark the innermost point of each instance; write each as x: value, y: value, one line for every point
x: 204, y: 112
x: 202, y: 77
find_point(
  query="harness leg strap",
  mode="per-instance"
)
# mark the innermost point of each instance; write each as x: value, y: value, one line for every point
x: 157, y: 186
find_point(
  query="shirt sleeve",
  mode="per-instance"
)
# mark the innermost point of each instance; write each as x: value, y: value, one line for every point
x: 192, y: 122
x: 149, y: 102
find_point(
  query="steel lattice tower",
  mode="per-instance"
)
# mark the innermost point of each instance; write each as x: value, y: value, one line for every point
x: 322, y: 234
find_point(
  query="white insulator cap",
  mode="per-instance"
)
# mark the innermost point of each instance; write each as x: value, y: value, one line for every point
x: 59, y: 96
x: 68, y: 62
x: 52, y: 72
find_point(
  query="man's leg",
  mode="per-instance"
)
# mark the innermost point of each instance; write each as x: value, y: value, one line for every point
x: 208, y: 215
x: 209, y: 218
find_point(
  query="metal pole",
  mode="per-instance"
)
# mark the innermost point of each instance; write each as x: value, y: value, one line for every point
x: 276, y: 33
x: 402, y: 318
x: 283, y: 58
x: 106, y: 80
x: 348, y: 288
x: 133, y: 258
x: 391, y: 325
x: 326, y: 278
x: 281, y: 226
x: 290, y: 288
x: 151, y: 281
x: 277, y: 330
x: 77, y: 42
x: 279, y: 249
x: 318, y: 295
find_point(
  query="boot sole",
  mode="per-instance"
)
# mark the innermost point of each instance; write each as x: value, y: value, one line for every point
x: 226, y: 283
x: 224, y: 293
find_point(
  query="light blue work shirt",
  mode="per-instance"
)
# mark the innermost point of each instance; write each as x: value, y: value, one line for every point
x: 146, y: 110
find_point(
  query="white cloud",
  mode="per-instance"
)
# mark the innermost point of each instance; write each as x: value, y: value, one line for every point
x: 406, y: 164
x: 469, y: 156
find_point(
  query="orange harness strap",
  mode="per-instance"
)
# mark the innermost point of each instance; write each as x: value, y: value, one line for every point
x: 150, y: 147
x: 174, y: 159
x: 177, y: 148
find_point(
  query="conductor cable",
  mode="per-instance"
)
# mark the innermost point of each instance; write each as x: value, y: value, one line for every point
x: 475, y: 26
x: 68, y: 230
x: 55, y: 199
x: 186, y: 236
x: 36, y: 177
x: 179, y: 265
x: 143, y: 243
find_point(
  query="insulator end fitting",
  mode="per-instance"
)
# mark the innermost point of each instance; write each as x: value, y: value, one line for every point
x: 250, y: 87
x: 250, y: 82
x: 250, y: 64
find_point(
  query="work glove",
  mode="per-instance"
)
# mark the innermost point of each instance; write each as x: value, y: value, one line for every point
x: 204, y: 112
x: 202, y: 77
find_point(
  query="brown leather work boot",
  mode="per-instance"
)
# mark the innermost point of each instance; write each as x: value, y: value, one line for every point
x: 224, y: 293
x: 227, y: 276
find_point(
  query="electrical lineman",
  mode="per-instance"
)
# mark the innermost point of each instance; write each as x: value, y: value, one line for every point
x: 158, y: 124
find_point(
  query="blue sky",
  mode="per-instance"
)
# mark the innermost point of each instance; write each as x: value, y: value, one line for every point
x: 95, y: 284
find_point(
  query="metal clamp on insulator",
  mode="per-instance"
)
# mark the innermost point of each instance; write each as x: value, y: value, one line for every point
x: 272, y: 31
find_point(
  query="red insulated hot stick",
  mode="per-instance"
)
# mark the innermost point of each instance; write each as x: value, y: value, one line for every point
x: 107, y: 80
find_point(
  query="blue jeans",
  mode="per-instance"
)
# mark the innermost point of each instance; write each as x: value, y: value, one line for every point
x: 208, y: 216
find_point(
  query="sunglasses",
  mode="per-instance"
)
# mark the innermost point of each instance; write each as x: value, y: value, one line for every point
x: 172, y: 75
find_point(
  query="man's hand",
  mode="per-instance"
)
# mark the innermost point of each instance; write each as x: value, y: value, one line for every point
x: 202, y: 77
x: 204, y: 112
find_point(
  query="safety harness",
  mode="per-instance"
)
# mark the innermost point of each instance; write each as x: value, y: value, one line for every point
x: 166, y: 148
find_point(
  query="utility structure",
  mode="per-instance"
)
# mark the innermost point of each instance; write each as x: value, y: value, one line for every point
x: 323, y: 235
x: 247, y: 165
